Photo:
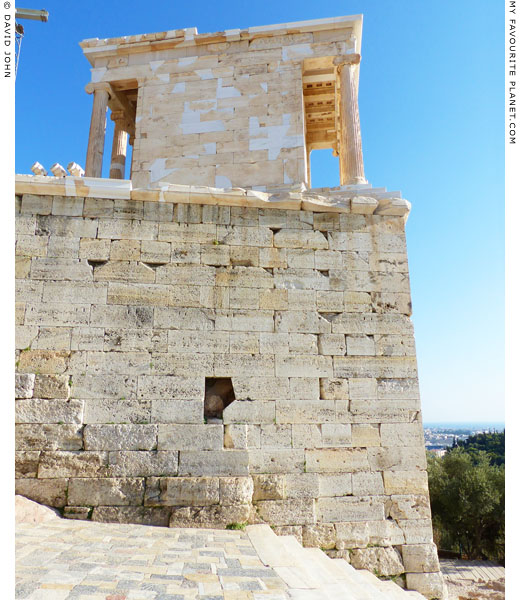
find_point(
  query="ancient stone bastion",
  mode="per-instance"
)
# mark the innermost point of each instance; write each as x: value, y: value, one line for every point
x: 213, y: 341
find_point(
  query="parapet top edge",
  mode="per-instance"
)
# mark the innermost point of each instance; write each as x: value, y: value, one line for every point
x: 361, y: 201
x: 190, y: 36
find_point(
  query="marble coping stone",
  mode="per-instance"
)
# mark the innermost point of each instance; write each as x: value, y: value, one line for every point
x: 345, y: 199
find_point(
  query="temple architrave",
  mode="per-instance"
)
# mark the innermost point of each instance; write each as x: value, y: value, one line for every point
x: 203, y: 338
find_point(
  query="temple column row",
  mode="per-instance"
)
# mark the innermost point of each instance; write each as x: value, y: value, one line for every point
x: 96, y: 139
x: 352, y: 171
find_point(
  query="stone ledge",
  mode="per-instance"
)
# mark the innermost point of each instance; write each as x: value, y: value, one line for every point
x: 354, y: 201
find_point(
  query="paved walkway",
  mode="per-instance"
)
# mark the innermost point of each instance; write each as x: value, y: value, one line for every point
x: 475, y: 570
x: 79, y: 560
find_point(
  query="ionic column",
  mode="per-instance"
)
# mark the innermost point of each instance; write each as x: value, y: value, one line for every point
x: 96, y: 138
x: 119, y: 143
x: 350, y: 150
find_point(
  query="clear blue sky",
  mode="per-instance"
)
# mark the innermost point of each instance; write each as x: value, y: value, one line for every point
x: 431, y: 98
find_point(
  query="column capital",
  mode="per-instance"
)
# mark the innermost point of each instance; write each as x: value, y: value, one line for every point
x: 91, y: 87
x: 347, y: 60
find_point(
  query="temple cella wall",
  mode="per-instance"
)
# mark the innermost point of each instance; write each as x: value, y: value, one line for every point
x: 191, y: 353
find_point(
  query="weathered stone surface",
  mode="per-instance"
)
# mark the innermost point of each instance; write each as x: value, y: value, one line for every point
x: 334, y: 389
x: 49, y: 411
x: 24, y: 385
x: 52, y: 492
x: 383, y: 561
x: 279, y: 512
x: 226, y: 462
x: 26, y: 463
x: 364, y: 508
x: 430, y: 585
x: 120, y: 437
x: 216, y: 516
x: 182, y: 491
x: 268, y: 487
x: 420, y: 558
x: 158, y: 517
x: 110, y: 492
x: 49, y: 437
x: 344, y: 460
x: 72, y: 464
x: 27, y: 511
x: 236, y: 490
x: 319, y: 536
x: 405, y: 482
x: 190, y: 437
x: 51, y: 386
x: 409, y: 507
x: 142, y: 463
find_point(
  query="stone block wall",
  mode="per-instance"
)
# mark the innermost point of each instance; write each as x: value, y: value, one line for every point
x: 125, y: 307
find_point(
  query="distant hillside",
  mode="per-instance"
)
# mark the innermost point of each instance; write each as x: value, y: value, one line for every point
x: 491, y: 443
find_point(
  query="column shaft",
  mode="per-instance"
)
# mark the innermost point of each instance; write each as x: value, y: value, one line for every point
x: 117, y: 163
x: 96, y: 138
x: 351, y: 153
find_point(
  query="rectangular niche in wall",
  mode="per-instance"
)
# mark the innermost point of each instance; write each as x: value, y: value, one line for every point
x: 218, y: 395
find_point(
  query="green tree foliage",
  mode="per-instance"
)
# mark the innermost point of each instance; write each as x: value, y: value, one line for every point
x: 467, y: 496
x: 494, y: 444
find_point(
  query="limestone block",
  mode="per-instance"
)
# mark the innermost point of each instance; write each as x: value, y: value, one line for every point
x: 72, y: 464
x: 397, y: 388
x: 334, y: 460
x: 409, y: 506
x: 24, y: 385
x: 49, y: 411
x: 190, y: 437
x: 270, y: 258
x: 353, y: 534
x: 198, y: 341
x: 303, y: 388
x: 66, y: 227
x: 74, y: 293
x: 272, y: 299
x: 244, y: 277
x: 31, y: 245
x: 182, y: 233
x: 182, y: 364
x: 330, y: 301
x: 383, y: 561
x: 334, y: 389
x: 158, y: 211
x: 51, y: 492
x: 22, y: 267
x: 280, y: 512
x: 392, y: 366
x: 365, y: 435
x: 36, y: 205
x: 397, y: 459
x: 213, y: 517
x: 240, y: 365
x: 61, y: 268
x: 57, y: 314
x: 306, y: 435
x: 367, y: 484
x: 158, y: 517
x: 303, y: 366
x: 63, y: 247
x: 94, y: 249
x: 177, y: 411
x: 301, y: 279
x: 25, y: 336
x: 332, y: 344
x: 406, y: 482
x: 134, y: 339
x: 301, y: 322
x: 431, y: 585
x: 128, y: 209
x: 236, y: 436
x: 139, y: 294
x: 244, y: 343
x: 275, y: 436
x: 299, y: 258
x: 30, y: 291
x: 302, y: 485
x: 142, y: 463
x: 209, y: 463
x: 268, y: 487
x: 116, y: 410
x: 360, y: 345
x: 111, y: 492
x: 25, y: 224
x: 305, y: 411
x: 334, y: 510
x: 383, y: 411
x: 276, y: 461
x: 48, y: 437
x: 185, y: 253
x: 51, y: 386
x: 420, y: 558
x: 185, y: 274
x: 26, y: 463
x: 122, y: 316
x: 170, y: 387
x: 301, y: 343
x: 402, y: 434
x: 336, y: 434
x: 274, y: 343
x: 328, y: 259
x: 125, y: 270
x: 128, y: 230
x: 53, y: 338
x: 417, y: 531
x: 125, y: 363
x: 319, y: 536
x: 289, y: 238
x: 120, y: 437
x: 305, y: 299
x: 394, y: 345
x: 181, y: 491
x: 215, y: 255
x: 245, y: 236
x: 335, y: 485
x: 100, y: 386
x: 98, y: 207
x: 371, y: 324
x: 80, y: 513
x: 389, y: 302
x: 236, y: 490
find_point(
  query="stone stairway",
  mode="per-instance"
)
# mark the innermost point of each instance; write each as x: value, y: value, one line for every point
x: 311, y: 575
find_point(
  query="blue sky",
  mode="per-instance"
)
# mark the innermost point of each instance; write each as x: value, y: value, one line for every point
x: 431, y: 98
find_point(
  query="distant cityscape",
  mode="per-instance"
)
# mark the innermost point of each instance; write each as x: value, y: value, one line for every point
x: 439, y: 436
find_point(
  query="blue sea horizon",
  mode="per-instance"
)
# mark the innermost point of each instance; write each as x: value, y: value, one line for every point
x: 496, y: 425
